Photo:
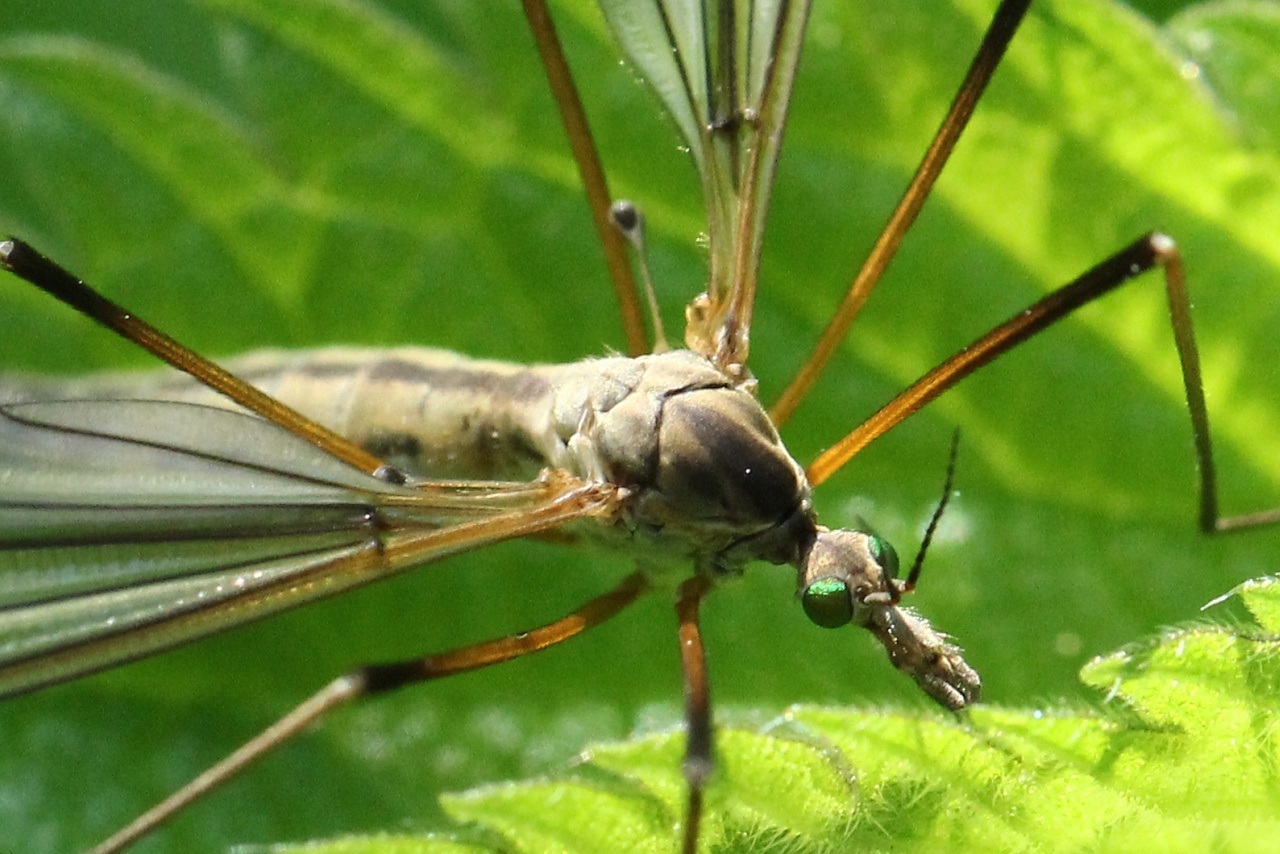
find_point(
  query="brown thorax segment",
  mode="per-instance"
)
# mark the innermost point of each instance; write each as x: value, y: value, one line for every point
x: 710, y: 478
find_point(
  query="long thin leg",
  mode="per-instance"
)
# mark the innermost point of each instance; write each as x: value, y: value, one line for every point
x: 1003, y: 25
x: 1184, y: 338
x: 593, y: 178
x: 698, y: 759
x: 23, y: 261
x: 377, y: 679
x: 1152, y: 250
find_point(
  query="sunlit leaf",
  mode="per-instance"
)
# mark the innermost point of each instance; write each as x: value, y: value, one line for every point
x: 223, y: 170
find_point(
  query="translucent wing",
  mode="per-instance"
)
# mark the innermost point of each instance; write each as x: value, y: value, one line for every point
x: 130, y: 527
x: 724, y: 70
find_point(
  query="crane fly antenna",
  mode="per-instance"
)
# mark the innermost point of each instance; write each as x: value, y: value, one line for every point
x: 914, y: 575
x: 1005, y: 23
x: 590, y: 169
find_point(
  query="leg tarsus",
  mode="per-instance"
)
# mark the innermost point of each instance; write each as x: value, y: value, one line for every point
x: 1149, y: 251
x: 698, y: 757
x: 377, y: 679
x: 1165, y: 254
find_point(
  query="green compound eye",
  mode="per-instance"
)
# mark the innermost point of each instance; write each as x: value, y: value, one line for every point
x: 884, y: 555
x: 826, y: 602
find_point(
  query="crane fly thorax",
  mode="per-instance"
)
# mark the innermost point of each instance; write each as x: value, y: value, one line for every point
x: 709, y: 475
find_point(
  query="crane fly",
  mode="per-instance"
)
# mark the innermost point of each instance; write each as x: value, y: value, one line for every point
x: 108, y: 473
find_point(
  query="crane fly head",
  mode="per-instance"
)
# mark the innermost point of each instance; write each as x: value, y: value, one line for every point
x: 850, y: 578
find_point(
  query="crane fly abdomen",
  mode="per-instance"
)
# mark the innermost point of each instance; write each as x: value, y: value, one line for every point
x: 427, y: 411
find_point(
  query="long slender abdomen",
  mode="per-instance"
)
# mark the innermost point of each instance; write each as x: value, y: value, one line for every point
x: 433, y: 412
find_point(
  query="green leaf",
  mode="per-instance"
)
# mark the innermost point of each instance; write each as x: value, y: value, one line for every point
x: 1187, y: 765
x: 245, y: 176
x: 1232, y: 46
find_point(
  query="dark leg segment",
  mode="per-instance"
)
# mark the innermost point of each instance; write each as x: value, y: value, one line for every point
x: 374, y: 680
x: 1166, y: 255
x: 594, y: 182
x: 1003, y: 26
x: 698, y: 760
x: 25, y: 262
x: 1144, y: 254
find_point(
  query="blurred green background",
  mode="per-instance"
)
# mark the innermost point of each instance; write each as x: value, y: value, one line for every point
x: 250, y: 174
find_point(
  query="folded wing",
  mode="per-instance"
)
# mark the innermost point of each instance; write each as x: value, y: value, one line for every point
x: 128, y: 527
